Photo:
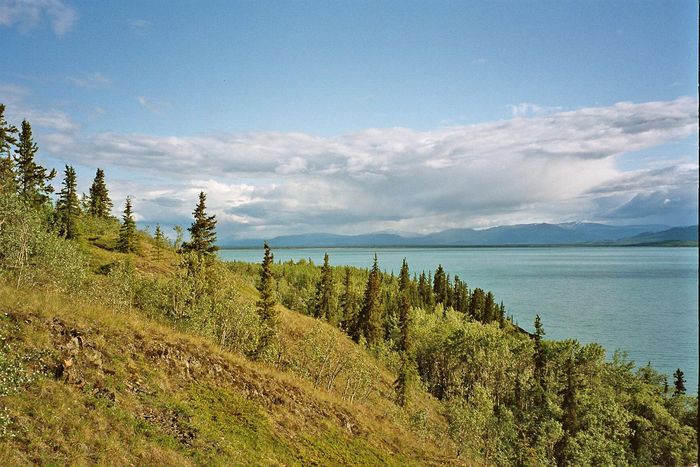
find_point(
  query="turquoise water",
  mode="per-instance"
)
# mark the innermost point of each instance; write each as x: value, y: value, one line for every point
x: 640, y: 300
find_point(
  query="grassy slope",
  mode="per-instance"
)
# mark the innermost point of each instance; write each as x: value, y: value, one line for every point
x: 124, y: 389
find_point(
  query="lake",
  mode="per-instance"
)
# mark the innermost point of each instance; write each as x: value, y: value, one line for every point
x: 641, y: 300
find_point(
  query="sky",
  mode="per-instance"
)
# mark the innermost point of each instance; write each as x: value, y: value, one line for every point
x: 365, y: 116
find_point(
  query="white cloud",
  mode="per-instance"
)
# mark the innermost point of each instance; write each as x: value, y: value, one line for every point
x: 29, y: 14
x: 554, y: 167
x: 58, y: 122
x: 93, y: 80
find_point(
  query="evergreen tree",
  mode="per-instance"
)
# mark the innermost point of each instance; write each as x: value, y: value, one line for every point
x: 678, y: 382
x: 99, y: 204
x: 370, y: 319
x: 489, y: 312
x: 405, y: 344
x: 203, y: 230
x: 127, y: 232
x: 348, y: 304
x: 440, y: 285
x: 476, y: 304
x: 160, y: 240
x: 569, y: 407
x: 68, y: 206
x: 32, y: 179
x: 540, y: 357
x: 266, y: 305
x: 324, y: 292
x: 7, y: 141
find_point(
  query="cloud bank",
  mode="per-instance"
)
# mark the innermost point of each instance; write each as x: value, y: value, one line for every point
x: 553, y: 167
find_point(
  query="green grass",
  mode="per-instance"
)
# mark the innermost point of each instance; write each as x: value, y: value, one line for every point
x: 140, y: 392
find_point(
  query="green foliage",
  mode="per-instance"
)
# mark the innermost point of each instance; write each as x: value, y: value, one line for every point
x: 99, y: 203
x: 30, y: 254
x: 324, y: 306
x: 318, y: 358
x: 203, y: 230
x: 678, y: 382
x: 348, y: 303
x: 68, y: 206
x: 8, y: 140
x: 266, y: 306
x: 369, y: 322
x: 127, y: 232
x: 32, y: 179
x: 160, y: 241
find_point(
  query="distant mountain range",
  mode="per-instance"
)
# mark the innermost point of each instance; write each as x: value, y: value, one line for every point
x: 522, y: 234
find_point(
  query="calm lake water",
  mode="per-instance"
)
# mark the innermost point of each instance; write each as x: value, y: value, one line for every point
x: 643, y: 301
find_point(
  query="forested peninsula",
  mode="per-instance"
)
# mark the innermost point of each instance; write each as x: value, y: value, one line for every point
x: 125, y: 346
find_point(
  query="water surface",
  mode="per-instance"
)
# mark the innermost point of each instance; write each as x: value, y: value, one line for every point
x: 640, y: 300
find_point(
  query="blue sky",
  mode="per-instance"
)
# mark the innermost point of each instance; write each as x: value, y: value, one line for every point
x: 362, y: 116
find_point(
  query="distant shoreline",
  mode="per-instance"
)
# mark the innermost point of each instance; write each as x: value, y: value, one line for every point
x: 671, y: 244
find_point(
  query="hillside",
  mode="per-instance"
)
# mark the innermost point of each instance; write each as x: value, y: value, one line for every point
x: 522, y: 234
x: 120, y: 389
x: 677, y: 236
x: 93, y: 383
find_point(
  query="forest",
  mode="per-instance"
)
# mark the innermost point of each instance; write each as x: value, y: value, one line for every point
x: 377, y: 368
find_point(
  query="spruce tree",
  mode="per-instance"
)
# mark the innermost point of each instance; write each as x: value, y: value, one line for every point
x: 540, y: 357
x: 68, y: 206
x: 476, y: 304
x: 32, y: 179
x: 405, y: 344
x: 440, y: 285
x: 370, y: 319
x: 324, y: 292
x: 160, y: 240
x: 569, y: 421
x: 8, y: 140
x: 678, y: 382
x: 99, y: 204
x: 347, y: 304
x: 203, y: 230
x: 127, y: 232
x: 489, y: 312
x: 266, y: 305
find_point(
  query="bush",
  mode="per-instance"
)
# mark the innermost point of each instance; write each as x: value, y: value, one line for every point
x: 31, y: 255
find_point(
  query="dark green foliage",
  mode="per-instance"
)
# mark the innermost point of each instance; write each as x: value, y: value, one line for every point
x: 440, y: 286
x: 99, y: 203
x: 203, y: 230
x: 405, y: 344
x: 489, y: 312
x: 324, y: 303
x: 425, y: 292
x: 678, y: 382
x: 477, y: 305
x: 348, y: 303
x: 32, y: 179
x: 266, y: 306
x: 370, y: 323
x: 569, y: 407
x: 68, y: 206
x: 126, y: 243
x: 8, y: 140
x: 540, y: 357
